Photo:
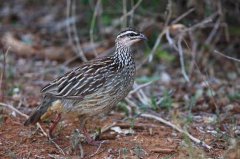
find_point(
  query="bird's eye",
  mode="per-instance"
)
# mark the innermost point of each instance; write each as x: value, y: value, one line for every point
x: 132, y: 34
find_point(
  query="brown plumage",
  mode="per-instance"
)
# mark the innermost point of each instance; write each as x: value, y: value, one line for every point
x: 93, y: 88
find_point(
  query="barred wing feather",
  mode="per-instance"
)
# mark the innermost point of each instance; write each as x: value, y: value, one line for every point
x: 80, y: 82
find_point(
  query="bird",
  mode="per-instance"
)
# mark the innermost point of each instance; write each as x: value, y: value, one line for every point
x: 93, y: 88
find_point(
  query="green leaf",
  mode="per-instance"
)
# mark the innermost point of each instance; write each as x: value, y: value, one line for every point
x: 167, y: 101
x: 164, y: 55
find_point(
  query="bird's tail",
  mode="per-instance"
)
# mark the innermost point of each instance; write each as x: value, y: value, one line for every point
x: 40, y: 110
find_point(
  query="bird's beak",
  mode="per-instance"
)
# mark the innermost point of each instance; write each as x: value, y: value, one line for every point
x: 142, y: 36
x: 136, y: 39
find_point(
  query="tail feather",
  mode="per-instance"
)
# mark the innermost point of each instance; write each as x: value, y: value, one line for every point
x: 36, y: 115
x: 34, y: 118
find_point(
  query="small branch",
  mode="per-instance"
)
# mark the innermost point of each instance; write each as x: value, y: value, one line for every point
x: 180, y: 51
x: 143, y: 97
x: 104, y: 129
x: 81, y: 150
x: 14, y: 109
x: 183, y: 16
x: 2, y: 76
x: 228, y: 57
x: 202, y: 24
x: 151, y: 116
x: 38, y: 125
x: 213, y: 32
x: 154, y: 49
x: 131, y: 11
x: 130, y: 102
x: 205, y: 80
x: 163, y: 150
x: 124, y: 10
x: 24, y: 115
x: 57, y: 146
x: 169, y: 15
x: 96, y: 152
x: 138, y: 87
x: 93, y: 21
x: 72, y: 29
x: 131, y: 16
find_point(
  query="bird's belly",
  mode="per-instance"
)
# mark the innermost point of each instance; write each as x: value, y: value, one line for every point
x: 103, y: 100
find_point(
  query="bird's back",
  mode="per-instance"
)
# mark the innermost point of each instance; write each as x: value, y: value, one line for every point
x: 118, y: 82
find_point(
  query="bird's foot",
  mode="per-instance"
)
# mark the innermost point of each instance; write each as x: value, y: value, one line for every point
x: 94, y: 142
x: 90, y: 140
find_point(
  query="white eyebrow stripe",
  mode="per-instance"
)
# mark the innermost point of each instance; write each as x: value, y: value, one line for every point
x: 127, y: 32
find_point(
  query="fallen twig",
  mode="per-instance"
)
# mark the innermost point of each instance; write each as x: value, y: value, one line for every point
x: 56, y: 145
x: 14, y: 109
x: 151, y: 116
x: 24, y: 115
x: 38, y: 125
x: 106, y: 128
x: 135, y: 126
x: 138, y: 87
x: 162, y: 150
x: 96, y: 152
x: 81, y: 150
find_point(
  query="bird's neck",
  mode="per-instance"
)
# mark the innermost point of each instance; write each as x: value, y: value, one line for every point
x: 123, y: 54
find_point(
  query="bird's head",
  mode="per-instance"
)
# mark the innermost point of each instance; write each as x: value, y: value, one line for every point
x: 129, y: 37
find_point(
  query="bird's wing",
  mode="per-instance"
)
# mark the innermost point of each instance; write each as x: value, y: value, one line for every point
x: 87, y: 79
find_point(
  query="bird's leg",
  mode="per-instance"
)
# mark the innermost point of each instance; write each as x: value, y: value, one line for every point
x: 84, y: 131
x: 89, y: 139
x: 54, y: 124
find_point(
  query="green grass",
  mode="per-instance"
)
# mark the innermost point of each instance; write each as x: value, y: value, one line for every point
x: 234, y: 97
x: 123, y: 108
x: 167, y: 101
x: 138, y: 151
x: 125, y: 152
x: 164, y: 55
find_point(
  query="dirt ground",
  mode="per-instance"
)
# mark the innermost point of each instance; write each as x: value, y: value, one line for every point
x: 148, y: 140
